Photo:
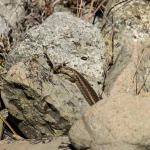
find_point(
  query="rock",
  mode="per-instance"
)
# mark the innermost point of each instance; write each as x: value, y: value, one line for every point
x: 82, y: 139
x: 125, y: 75
x: 37, y: 97
x: 131, y: 28
x: 62, y: 36
x: 117, y: 123
x: 12, y: 10
x: 33, y: 96
x: 4, y: 26
x: 55, y: 144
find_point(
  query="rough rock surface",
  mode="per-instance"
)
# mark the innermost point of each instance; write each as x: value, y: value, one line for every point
x: 55, y: 144
x: 34, y: 96
x: 67, y: 39
x: 43, y: 101
x: 4, y: 26
x: 12, y: 10
x: 135, y: 76
x: 117, y: 123
x: 131, y: 27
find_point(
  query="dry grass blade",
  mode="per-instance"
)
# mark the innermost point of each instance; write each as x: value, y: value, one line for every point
x: 124, y: 2
x: 90, y: 14
x: 99, y: 6
x: 91, y: 7
x: 77, y: 8
x: 15, y: 135
x: 80, y: 8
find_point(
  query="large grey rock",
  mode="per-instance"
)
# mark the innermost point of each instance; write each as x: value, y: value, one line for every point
x: 67, y: 39
x: 33, y: 91
x: 117, y: 123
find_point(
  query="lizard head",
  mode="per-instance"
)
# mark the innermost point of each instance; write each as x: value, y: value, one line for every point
x: 57, y: 69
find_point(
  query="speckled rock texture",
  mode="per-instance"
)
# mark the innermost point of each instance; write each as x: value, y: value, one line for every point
x: 80, y: 44
x: 12, y: 10
x: 42, y: 100
x: 4, y: 26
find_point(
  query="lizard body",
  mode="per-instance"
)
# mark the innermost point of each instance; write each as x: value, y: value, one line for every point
x: 83, y: 85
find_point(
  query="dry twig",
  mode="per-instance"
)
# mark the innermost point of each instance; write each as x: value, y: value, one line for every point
x: 15, y: 135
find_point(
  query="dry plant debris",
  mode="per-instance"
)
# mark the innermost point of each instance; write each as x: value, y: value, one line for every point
x: 36, y: 11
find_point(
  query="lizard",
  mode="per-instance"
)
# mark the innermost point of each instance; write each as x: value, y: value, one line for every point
x: 84, y: 86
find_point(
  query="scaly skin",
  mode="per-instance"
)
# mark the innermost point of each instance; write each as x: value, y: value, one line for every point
x: 84, y: 86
